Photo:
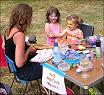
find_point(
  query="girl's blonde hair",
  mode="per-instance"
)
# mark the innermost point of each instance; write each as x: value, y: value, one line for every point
x: 75, y: 18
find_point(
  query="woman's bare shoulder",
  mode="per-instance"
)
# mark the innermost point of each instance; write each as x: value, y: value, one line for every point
x: 15, y: 31
x: 17, y: 35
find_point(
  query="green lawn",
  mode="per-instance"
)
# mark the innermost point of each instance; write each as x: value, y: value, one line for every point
x: 91, y: 11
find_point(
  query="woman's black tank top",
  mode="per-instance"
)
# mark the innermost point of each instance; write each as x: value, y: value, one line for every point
x: 10, y: 47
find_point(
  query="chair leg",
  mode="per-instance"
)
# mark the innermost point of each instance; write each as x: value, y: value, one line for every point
x: 25, y: 89
x: 46, y: 91
x: 12, y: 82
x: 39, y: 86
x: 31, y: 83
x: 71, y: 85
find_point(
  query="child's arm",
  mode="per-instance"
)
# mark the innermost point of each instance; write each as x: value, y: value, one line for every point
x: 63, y: 33
x: 80, y: 34
x: 47, y: 31
x: 61, y: 28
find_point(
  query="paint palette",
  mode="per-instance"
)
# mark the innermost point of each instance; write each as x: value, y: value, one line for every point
x: 64, y: 66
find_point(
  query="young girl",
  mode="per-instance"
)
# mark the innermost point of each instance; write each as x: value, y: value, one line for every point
x: 53, y: 25
x: 74, y: 34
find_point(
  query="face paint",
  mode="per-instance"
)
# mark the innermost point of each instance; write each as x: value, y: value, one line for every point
x: 53, y: 18
x: 71, y: 25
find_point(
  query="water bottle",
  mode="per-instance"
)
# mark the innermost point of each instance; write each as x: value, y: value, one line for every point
x: 56, y: 54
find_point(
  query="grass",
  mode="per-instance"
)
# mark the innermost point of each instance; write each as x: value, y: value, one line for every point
x: 91, y: 11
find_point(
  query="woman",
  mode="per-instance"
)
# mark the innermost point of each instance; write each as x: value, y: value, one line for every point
x: 15, y: 46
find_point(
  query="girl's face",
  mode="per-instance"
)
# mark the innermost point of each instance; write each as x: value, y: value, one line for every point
x: 71, y: 24
x: 53, y: 18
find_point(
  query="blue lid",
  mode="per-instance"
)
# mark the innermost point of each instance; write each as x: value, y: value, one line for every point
x: 56, y: 44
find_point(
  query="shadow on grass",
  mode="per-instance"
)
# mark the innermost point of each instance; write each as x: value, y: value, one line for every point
x: 17, y: 89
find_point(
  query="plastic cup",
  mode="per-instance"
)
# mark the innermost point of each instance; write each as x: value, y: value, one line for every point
x: 78, y: 71
x: 102, y: 43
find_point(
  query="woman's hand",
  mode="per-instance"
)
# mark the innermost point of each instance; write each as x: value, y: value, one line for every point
x: 31, y: 49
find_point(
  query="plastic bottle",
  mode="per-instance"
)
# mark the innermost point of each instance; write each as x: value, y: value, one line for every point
x: 56, y: 53
x: 102, y: 44
x: 98, y: 50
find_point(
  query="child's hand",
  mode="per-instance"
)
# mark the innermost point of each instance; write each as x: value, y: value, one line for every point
x: 51, y: 35
x: 56, y: 35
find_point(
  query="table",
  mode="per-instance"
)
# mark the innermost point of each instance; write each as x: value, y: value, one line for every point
x: 40, y: 46
x: 96, y: 75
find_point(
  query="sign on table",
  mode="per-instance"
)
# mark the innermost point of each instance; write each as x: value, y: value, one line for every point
x: 53, y: 79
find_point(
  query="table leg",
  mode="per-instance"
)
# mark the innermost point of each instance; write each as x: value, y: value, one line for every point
x: 51, y: 92
x: 83, y: 91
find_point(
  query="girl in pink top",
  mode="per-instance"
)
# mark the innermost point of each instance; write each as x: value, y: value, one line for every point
x: 73, y: 33
x: 53, y: 25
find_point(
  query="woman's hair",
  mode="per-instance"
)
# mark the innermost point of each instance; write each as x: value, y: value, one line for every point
x: 20, y: 18
x: 75, y: 18
x: 52, y: 10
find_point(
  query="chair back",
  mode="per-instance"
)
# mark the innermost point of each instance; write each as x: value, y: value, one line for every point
x: 10, y: 64
x: 87, y: 30
x: 12, y: 69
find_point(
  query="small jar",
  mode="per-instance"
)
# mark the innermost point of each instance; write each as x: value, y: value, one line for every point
x: 78, y: 71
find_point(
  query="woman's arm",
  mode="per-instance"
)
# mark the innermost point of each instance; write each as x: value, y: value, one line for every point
x: 20, y: 54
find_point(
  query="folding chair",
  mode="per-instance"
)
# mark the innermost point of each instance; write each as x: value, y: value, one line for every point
x: 12, y: 69
x: 87, y: 30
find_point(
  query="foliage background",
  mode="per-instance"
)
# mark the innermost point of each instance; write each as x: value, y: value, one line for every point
x: 91, y: 11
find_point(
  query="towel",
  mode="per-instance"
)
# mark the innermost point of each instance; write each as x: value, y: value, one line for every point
x: 42, y: 55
